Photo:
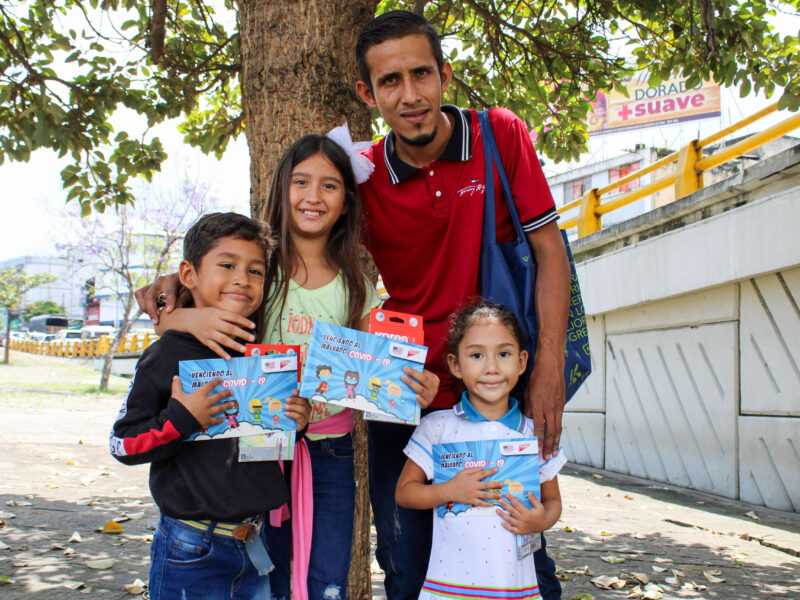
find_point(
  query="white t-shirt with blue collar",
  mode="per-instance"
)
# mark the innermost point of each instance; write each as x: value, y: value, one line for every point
x: 475, y: 557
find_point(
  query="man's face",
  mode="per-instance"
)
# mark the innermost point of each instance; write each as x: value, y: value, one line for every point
x: 406, y: 87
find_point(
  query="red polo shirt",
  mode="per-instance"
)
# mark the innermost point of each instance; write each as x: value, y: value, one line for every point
x: 424, y: 225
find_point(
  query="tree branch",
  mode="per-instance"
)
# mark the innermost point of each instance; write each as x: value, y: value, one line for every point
x: 158, y: 30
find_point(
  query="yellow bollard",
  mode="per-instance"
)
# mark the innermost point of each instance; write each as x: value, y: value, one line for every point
x: 687, y: 179
x: 588, y: 219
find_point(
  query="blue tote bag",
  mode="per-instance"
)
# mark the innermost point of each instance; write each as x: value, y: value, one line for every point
x: 508, y: 273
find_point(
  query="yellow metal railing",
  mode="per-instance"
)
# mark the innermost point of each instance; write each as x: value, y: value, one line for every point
x: 84, y: 348
x: 686, y: 178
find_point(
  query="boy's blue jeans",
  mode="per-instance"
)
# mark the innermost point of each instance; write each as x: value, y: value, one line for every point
x: 404, y: 535
x: 332, y: 534
x: 186, y: 562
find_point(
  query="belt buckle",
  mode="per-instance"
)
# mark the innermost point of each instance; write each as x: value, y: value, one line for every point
x: 243, y: 531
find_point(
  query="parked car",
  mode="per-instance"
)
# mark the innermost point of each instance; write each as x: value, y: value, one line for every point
x: 68, y: 334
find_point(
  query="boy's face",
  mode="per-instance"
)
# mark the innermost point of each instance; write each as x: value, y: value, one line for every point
x: 230, y: 277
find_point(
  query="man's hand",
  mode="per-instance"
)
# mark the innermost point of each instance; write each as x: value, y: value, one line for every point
x: 424, y: 383
x: 201, y: 403
x: 468, y: 487
x: 168, y: 287
x: 545, y: 398
x: 299, y: 409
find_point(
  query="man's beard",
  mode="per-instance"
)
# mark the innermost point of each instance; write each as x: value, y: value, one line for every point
x: 421, y: 140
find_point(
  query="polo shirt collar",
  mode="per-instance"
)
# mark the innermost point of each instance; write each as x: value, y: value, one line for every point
x: 513, y: 419
x: 459, y: 146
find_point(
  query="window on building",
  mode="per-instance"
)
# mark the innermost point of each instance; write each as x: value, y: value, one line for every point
x: 620, y: 172
x: 573, y: 190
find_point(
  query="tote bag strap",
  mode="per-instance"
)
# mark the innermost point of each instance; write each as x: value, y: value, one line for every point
x: 493, y: 160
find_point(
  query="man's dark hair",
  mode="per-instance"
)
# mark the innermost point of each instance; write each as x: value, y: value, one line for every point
x: 393, y: 25
x: 211, y: 228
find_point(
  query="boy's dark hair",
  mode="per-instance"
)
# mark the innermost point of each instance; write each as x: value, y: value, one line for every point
x: 393, y: 25
x: 211, y: 228
x: 478, y: 310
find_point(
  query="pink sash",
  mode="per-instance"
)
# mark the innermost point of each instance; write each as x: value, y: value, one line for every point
x: 303, y: 501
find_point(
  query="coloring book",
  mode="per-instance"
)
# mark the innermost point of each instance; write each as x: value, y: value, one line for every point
x: 517, y: 462
x: 260, y: 387
x: 360, y: 370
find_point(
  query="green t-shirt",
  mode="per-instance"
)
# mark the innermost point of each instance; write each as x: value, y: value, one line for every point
x: 293, y: 325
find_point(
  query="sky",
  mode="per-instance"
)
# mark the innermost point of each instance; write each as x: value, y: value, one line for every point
x: 34, y: 201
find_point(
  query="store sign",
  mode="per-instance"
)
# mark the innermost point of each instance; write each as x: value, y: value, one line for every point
x: 645, y: 106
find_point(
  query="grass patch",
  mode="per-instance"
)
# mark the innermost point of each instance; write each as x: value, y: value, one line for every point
x: 35, y: 373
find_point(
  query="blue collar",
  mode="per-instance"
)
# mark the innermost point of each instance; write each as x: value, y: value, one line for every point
x: 513, y: 419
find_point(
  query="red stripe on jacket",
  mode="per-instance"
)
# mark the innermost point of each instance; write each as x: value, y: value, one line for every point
x: 148, y: 440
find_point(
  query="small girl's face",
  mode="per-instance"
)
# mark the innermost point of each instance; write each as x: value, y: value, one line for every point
x: 316, y: 197
x: 489, y: 362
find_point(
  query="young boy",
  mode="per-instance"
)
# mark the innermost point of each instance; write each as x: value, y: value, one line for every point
x: 210, y: 539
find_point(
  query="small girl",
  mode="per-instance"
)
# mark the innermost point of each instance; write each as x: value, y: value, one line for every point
x: 477, y: 556
x: 314, y: 273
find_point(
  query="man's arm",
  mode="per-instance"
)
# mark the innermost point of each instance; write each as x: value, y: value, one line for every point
x: 546, y: 390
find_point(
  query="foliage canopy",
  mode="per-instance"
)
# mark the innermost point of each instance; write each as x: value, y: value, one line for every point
x: 68, y: 65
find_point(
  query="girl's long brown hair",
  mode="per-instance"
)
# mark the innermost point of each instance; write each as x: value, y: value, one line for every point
x: 344, y: 239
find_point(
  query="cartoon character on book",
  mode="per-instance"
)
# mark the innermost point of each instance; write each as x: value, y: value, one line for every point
x: 323, y: 373
x: 350, y: 383
x: 255, y: 408
x: 392, y: 391
x: 375, y: 386
x: 274, y: 407
x: 231, y: 413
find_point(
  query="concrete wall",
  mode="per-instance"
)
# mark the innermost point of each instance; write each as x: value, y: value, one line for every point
x: 694, y: 327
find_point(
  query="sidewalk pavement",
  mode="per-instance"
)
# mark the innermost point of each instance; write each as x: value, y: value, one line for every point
x: 623, y: 533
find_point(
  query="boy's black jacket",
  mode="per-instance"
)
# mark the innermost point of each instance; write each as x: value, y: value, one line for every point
x: 188, y: 480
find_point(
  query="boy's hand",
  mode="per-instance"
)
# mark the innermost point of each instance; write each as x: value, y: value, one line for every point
x: 468, y: 487
x: 298, y: 409
x: 201, y: 403
x: 424, y: 383
x: 521, y: 519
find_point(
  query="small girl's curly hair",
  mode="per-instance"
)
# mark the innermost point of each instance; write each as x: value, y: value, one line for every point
x: 477, y: 310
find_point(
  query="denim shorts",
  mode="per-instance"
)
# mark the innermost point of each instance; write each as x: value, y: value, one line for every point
x: 188, y: 562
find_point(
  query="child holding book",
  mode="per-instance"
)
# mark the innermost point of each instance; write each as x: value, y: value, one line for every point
x: 210, y: 537
x: 477, y: 556
x: 315, y: 273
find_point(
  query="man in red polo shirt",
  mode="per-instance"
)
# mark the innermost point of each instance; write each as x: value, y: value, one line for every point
x: 424, y: 212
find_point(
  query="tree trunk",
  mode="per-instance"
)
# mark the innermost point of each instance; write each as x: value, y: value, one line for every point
x: 298, y: 77
x: 8, y: 335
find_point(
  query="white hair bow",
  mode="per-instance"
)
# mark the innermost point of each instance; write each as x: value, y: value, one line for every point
x: 362, y: 166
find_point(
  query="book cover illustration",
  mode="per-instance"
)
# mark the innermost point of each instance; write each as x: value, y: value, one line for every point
x: 403, y: 327
x: 360, y: 370
x: 517, y: 462
x: 260, y: 387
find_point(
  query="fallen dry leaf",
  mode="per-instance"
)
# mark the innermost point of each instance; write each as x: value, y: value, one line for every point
x: 75, y: 538
x: 134, y: 515
x: 111, y: 527
x: 4, y: 546
x: 640, y: 577
x: 672, y: 580
x: 713, y: 576
x: 74, y: 585
x: 69, y: 551
x: 691, y: 585
x: 85, y: 502
x: 612, y: 560
x: 136, y: 588
x: 596, y: 476
x: 652, y: 592
x: 583, y: 596
x: 6, y: 579
x: 6, y: 515
x: 608, y: 582
x: 658, y: 569
x: 101, y: 564
x: 752, y: 515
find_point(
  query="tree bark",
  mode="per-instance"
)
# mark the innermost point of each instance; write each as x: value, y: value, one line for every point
x: 298, y: 77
